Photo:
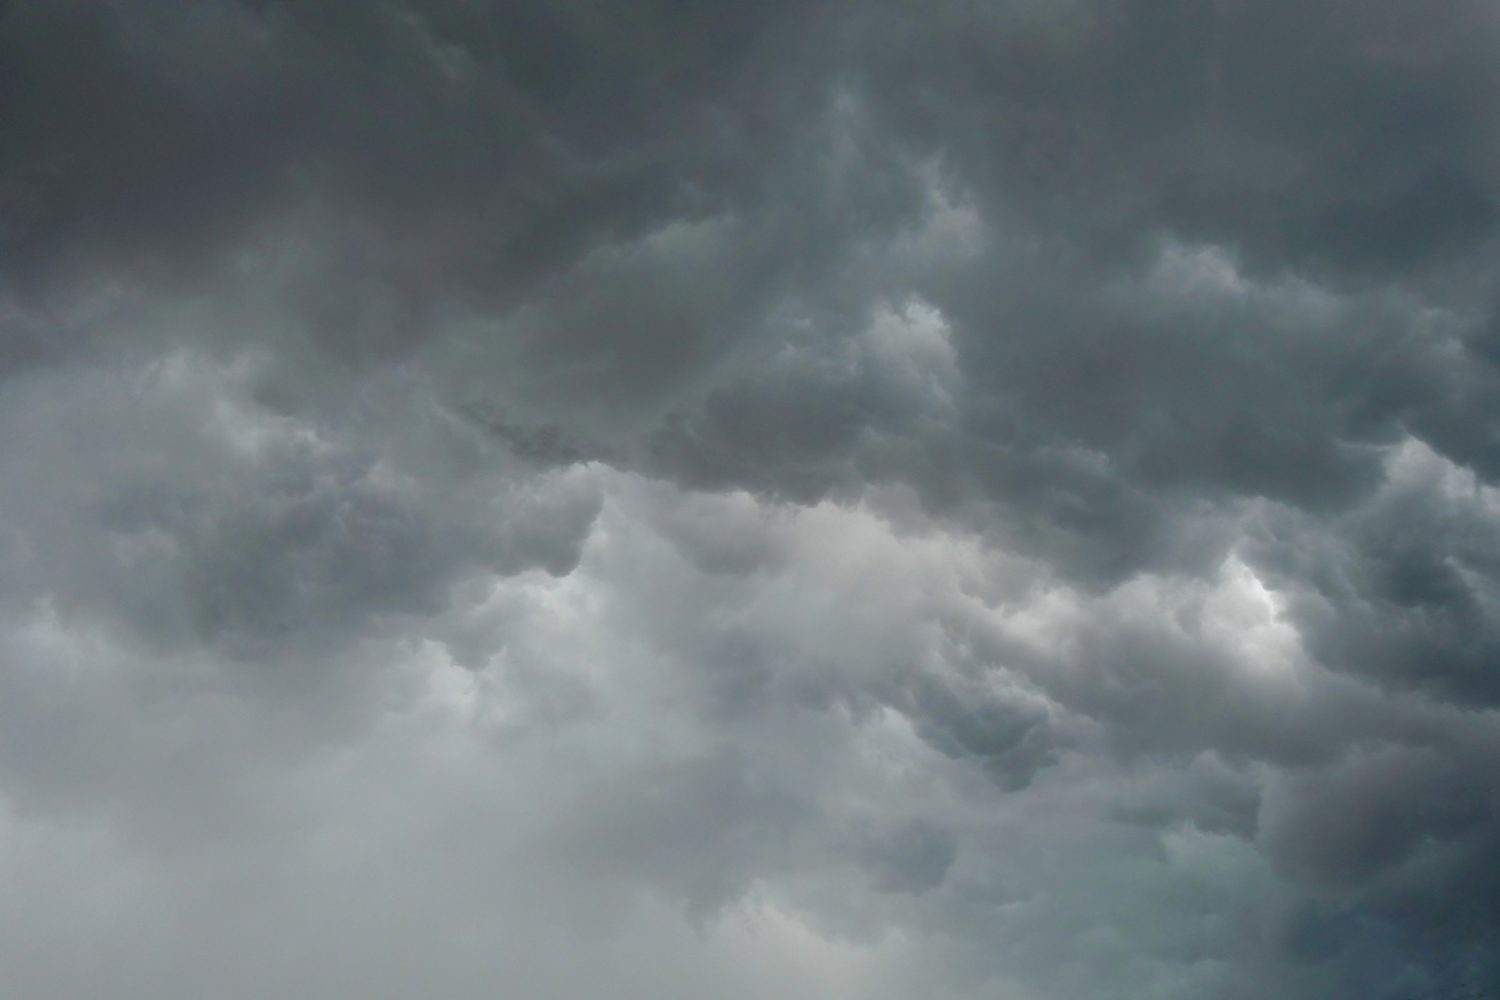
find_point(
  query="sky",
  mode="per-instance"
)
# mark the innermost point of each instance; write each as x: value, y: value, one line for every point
x: 969, y: 500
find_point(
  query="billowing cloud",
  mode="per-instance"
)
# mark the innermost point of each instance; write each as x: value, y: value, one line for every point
x: 770, y: 500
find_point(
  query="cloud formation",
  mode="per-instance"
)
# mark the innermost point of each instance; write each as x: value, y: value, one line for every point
x: 767, y: 500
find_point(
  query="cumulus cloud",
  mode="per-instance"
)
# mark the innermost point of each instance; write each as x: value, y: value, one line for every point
x: 772, y: 500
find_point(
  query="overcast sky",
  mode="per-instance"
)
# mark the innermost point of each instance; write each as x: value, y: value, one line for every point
x: 779, y: 500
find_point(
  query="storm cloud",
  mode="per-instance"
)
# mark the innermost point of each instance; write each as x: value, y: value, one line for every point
x: 818, y: 499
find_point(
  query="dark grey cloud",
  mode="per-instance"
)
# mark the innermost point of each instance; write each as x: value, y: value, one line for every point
x: 788, y: 499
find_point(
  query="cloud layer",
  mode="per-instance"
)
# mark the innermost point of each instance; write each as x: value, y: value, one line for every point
x: 771, y: 500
